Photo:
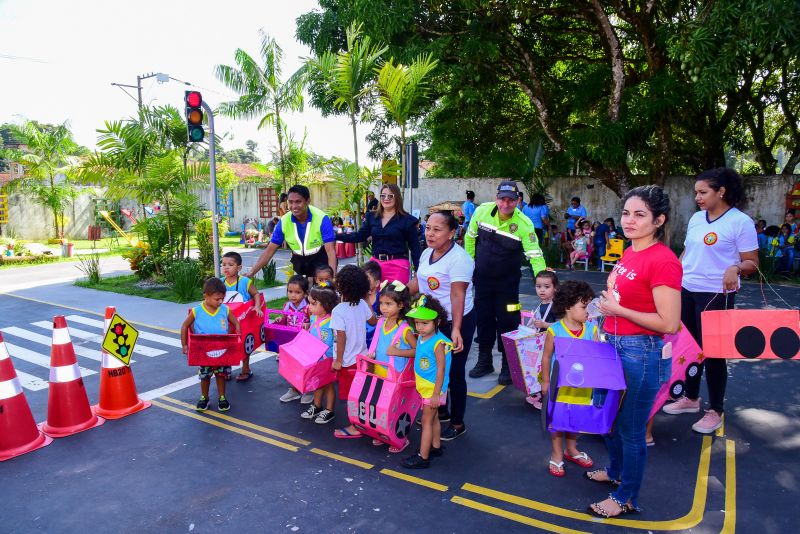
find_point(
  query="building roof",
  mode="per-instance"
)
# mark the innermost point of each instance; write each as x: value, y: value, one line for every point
x: 426, y: 165
x: 245, y: 171
x: 5, y: 177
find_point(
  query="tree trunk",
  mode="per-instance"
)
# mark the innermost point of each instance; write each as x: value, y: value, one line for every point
x: 280, y: 148
x: 762, y: 152
x: 357, y: 221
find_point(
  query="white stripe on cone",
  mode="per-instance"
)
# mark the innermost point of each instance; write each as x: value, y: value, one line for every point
x: 65, y: 373
x: 3, y: 351
x: 10, y: 388
x: 61, y: 336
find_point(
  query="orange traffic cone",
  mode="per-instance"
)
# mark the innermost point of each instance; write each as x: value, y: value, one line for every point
x: 18, y: 431
x: 118, y: 396
x: 68, y: 409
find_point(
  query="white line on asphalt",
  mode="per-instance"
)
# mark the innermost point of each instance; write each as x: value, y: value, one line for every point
x: 192, y: 380
x: 37, y: 359
x: 173, y: 342
x: 92, y: 354
x: 31, y: 382
x: 98, y: 338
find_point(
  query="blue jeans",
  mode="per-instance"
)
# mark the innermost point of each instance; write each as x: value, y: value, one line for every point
x: 645, y: 372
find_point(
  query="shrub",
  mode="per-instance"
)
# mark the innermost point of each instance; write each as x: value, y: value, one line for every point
x: 185, y: 278
x: 138, y: 259
x: 28, y: 260
x: 205, y: 243
x: 270, y: 274
x: 89, y: 264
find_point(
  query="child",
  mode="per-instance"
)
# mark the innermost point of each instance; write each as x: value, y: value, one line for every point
x: 432, y: 370
x: 580, y: 249
x: 240, y: 289
x: 210, y: 317
x: 323, y: 273
x: 375, y: 275
x: 570, y: 302
x: 543, y: 316
x: 349, y: 320
x: 783, y: 248
x: 393, y: 337
x: 296, y: 290
x: 321, y: 300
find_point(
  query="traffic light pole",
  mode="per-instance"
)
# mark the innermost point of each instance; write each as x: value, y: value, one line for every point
x: 212, y: 156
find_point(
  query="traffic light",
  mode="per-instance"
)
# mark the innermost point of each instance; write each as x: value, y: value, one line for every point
x: 194, y: 116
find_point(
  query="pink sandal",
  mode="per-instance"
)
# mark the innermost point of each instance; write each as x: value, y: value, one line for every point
x: 582, y: 459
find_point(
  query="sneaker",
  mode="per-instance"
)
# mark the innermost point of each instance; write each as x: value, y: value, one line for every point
x: 325, y: 416
x: 505, y: 377
x: 709, y: 423
x: 311, y: 413
x: 307, y: 398
x: 683, y: 405
x: 223, y: 405
x: 481, y: 370
x: 444, y: 416
x: 416, y: 462
x: 451, y: 432
x: 202, y: 404
x: 535, y: 400
x: 435, y: 453
x: 290, y: 395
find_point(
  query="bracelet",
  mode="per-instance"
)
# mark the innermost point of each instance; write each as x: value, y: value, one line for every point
x: 739, y: 267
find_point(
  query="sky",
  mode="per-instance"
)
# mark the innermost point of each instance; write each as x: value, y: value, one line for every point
x: 59, y: 58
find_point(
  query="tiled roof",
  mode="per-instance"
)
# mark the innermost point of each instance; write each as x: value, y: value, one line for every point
x: 244, y: 171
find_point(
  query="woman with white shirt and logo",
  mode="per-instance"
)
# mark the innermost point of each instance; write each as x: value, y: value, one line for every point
x: 721, y: 244
x: 445, y: 273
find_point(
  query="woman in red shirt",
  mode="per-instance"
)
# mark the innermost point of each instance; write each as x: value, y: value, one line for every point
x: 643, y: 302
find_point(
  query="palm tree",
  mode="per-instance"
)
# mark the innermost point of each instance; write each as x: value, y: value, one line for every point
x: 403, y: 89
x: 49, y: 159
x: 263, y: 94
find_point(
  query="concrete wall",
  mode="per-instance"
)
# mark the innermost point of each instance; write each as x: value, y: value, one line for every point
x: 767, y: 197
x: 29, y: 220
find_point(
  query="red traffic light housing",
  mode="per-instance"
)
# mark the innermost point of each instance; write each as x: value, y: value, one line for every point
x: 194, y: 116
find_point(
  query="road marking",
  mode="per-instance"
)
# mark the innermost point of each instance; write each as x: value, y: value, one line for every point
x: 83, y: 310
x: 340, y: 458
x: 234, y: 429
x: 241, y: 422
x: 37, y: 359
x: 691, y: 519
x: 525, y: 520
x: 192, y: 380
x: 98, y: 338
x: 721, y: 430
x: 729, y: 525
x: 489, y: 394
x: 91, y: 354
x: 171, y: 341
x: 414, y: 480
x: 31, y: 382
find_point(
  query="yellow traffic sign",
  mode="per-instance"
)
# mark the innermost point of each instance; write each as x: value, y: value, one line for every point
x: 120, y: 339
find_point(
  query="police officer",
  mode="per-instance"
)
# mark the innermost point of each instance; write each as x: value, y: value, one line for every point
x: 498, y: 234
x: 307, y: 231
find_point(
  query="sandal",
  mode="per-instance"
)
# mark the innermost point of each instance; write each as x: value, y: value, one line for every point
x: 244, y: 378
x: 404, y: 446
x: 650, y: 442
x: 376, y: 442
x: 592, y: 475
x: 582, y: 459
x: 557, y: 468
x: 343, y: 433
x: 599, y: 511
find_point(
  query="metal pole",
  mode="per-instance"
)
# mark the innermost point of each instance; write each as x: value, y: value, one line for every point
x: 212, y: 156
x: 139, y: 90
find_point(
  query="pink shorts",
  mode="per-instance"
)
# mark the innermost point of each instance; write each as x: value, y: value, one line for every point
x: 442, y: 400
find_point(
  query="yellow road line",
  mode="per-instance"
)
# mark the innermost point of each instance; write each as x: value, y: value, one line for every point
x: 729, y: 525
x: 525, y: 520
x: 414, y: 480
x: 489, y: 394
x: 234, y: 429
x: 721, y: 429
x: 340, y: 458
x: 83, y: 310
x: 692, y: 518
x: 242, y: 422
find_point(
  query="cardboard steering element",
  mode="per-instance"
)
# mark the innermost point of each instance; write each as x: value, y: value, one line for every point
x: 120, y: 339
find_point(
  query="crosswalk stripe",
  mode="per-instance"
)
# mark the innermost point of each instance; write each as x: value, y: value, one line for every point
x: 37, y: 359
x: 149, y: 336
x: 92, y: 354
x: 31, y: 382
x: 98, y: 338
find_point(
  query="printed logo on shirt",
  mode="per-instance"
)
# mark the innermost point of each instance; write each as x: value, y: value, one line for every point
x: 710, y: 238
x: 532, y: 237
x: 223, y: 322
x: 424, y: 363
x: 433, y: 283
x: 512, y: 227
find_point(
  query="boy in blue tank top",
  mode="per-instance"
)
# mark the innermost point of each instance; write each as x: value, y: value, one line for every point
x: 210, y: 317
x: 240, y: 289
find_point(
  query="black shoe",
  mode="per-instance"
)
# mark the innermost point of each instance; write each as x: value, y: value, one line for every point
x: 505, y: 377
x: 451, y: 432
x: 481, y: 370
x: 444, y: 416
x: 435, y: 453
x: 416, y: 462
x: 223, y: 405
x: 202, y: 404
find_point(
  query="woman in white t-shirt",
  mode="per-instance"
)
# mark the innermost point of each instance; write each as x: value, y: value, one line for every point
x: 445, y: 273
x: 721, y: 244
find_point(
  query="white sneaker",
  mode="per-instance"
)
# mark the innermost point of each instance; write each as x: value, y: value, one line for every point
x: 290, y: 395
x: 307, y: 398
x: 682, y: 405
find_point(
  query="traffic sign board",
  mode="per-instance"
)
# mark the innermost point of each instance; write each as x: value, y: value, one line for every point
x: 120, y: 339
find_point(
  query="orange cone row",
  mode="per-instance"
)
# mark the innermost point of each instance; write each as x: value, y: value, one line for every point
x: 68, y: 410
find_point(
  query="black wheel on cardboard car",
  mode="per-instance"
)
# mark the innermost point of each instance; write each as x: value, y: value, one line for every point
x: 676, y: 389
x: 692, y: 370
x: 263, y: 334
x: 249, y: 344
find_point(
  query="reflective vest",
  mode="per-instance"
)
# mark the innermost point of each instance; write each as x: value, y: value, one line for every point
x: 313, y: 238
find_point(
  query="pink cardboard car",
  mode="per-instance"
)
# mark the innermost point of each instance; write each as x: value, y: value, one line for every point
x: 686, y: 359
x: 280, y: 327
